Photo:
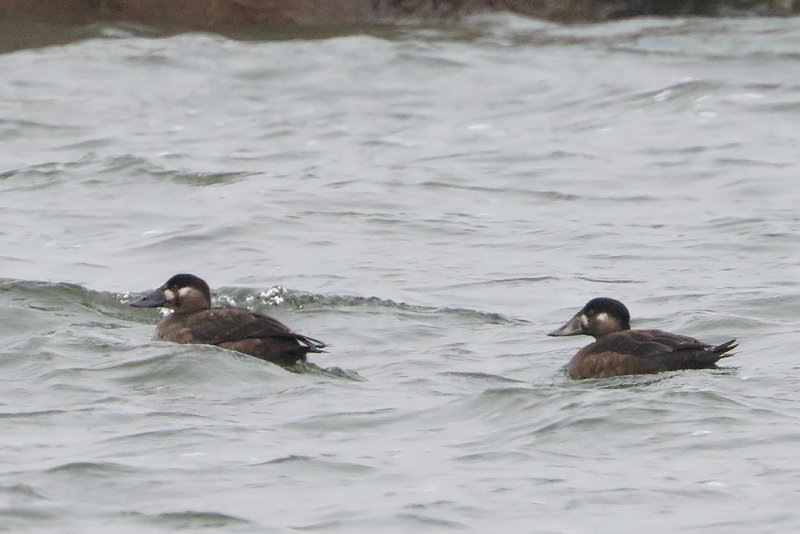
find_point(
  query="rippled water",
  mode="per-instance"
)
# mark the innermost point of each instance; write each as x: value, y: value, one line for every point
x: 430, y: 200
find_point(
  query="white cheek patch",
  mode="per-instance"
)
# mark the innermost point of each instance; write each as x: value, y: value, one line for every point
x: 182, y: 292
x: 584, y: 321
x: 169, y: 295
x: 602, y: 317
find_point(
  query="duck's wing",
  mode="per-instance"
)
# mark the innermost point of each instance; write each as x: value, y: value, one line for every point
x: 224, y: 325
x: 664, y: 350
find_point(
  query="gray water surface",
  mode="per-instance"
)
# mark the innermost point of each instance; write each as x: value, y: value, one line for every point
x: 430, y: 200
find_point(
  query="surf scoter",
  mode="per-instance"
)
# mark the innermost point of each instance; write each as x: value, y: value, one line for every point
x: 618, y: 350
x: 239, y: 329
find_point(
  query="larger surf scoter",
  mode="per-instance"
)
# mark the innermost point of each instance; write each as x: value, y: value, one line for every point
x: 618, y: 350
x: 239, y: 329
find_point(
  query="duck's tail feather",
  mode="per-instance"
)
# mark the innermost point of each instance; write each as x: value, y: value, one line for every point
x: 311, y: 344
x: 723, y: 351
x: 696, y: 356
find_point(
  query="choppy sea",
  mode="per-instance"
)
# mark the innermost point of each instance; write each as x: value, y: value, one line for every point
x: 430, y: 200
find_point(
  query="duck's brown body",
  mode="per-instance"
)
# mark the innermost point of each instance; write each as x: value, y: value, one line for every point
x: 618, y: 350
x: 239, y: 329
x: 643, y: 351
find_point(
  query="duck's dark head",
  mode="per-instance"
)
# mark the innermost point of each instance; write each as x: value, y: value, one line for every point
x: 184, y: 293
x: 600, y: 316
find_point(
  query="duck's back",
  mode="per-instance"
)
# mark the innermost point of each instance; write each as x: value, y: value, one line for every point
x: 241, y: 330
x: 644, y: 351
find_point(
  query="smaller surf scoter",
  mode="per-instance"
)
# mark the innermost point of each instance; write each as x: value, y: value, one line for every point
x: 239, y: 329
x: 618, y: 350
